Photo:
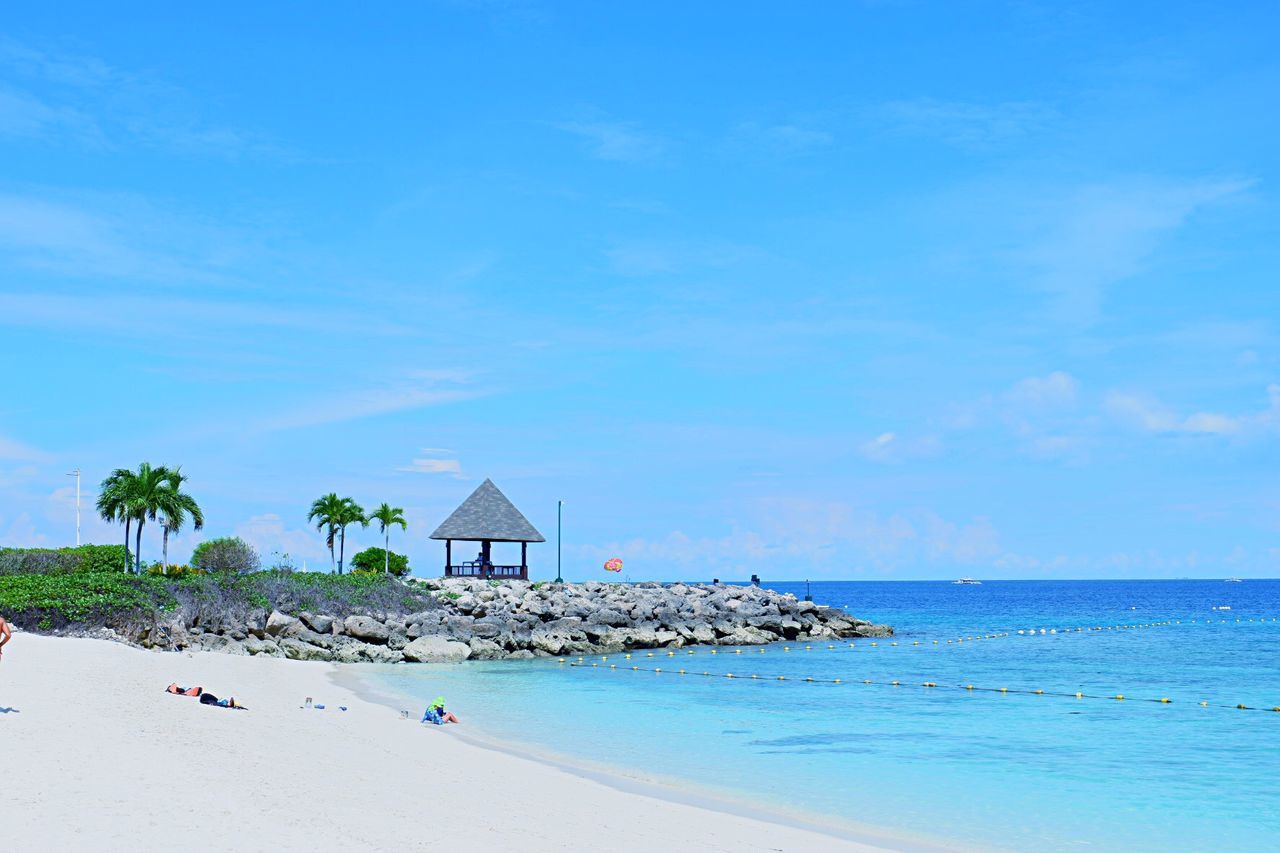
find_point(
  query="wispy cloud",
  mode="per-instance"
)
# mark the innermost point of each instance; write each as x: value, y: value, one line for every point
x: 416, y: 391
x: 427, y: 465
x: 88, y: 102
x: 621, y: 142
x: 16, y: 451
x: 1098, y: 236
x: 890, y: 448
x: 1147, y: 414
x: 966, y: 124
x: 781, y: 139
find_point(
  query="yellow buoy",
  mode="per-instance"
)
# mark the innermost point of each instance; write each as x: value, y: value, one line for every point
x: 1165, y: 700
x: 1119, y: 697
x: 1079, y: 695
x: 837, y: 681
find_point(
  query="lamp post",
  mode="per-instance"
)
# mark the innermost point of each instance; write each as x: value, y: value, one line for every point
x: 559, y: 515
x: 76, y: 474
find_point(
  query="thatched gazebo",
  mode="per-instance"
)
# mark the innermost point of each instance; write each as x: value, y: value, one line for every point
x: 487, y: 517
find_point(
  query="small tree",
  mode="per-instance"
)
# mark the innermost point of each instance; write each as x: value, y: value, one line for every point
x: 387, y: 517
x: 228, y: 554
x: 377, y: 561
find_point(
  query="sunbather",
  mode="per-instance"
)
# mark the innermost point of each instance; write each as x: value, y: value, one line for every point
x: 437, y: 714
x: 183, y: 691
x: 210, y: 699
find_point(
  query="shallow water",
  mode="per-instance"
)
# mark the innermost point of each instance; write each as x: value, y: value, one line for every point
x: 981, y: 768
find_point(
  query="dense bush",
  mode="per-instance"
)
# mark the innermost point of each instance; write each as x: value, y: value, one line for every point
x: 174, y: 570
x: 46, y: 602
x: 61, y: 561
x: 229, y: 554
x: 373, y: 561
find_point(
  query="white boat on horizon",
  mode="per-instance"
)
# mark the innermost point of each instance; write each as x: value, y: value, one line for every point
x: 968, y: 582
x: 1233, y: 580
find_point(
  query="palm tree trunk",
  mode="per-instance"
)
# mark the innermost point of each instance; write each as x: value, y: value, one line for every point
x: 137, y: 556
x: 386, y: 550
x: 127, y: 521
x: 342, y: 546
x: 165, y: 550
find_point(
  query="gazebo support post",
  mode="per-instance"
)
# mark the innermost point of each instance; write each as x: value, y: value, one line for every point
x: 524, y: 561
x: 485, y: 570
x: 448, y: 557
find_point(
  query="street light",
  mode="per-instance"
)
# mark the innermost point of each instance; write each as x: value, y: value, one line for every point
x: 76, y: 474
x: 559, y: 514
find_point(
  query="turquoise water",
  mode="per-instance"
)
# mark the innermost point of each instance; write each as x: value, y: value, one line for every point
x: 982, y: 768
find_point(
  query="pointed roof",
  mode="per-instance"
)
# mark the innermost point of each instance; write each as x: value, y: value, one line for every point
x: 487, y: 514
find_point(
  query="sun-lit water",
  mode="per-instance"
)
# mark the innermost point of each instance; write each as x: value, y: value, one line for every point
x: 981, y: 768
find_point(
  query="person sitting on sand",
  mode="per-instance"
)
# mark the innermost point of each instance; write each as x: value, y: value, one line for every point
x: 5, y: 635
x: 436, y: 713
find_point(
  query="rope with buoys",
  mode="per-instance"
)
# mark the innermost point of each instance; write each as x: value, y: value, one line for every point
x: 884, y: 643
x: 967, y: 688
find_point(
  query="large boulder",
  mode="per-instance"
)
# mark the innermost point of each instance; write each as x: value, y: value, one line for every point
x: 321, y: 624
x: 366, y: 628
x: 278, y: 623
x: 436, y: 649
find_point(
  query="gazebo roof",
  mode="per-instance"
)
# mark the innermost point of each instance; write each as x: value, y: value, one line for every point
x: 488, y: 515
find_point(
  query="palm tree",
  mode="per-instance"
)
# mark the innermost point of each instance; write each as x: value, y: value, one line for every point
x: 352, y: 513
x: 325, y: 512
x: 387, y: 516
x: 115, y: 503
x: 174, y: 506
x: 133, y: 496
x: 149, y: 482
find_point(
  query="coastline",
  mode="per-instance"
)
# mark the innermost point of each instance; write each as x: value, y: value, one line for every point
x: 632, y: 782
x: 98, y: 755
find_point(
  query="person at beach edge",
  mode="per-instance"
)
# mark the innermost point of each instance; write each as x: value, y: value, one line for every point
x: 5, y: 635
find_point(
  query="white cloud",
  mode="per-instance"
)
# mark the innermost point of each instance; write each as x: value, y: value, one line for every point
x: 1058, y: 389
x: 16, y: 451
x: 970, y: 125
x: 267, y: 533
x: 1146, y: 413
x: 779, y: 139
x: 616, y: 141
x: 434, y: 466
x: 417, y: 391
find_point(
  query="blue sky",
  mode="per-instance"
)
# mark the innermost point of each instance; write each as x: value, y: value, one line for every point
x: 856, y: 290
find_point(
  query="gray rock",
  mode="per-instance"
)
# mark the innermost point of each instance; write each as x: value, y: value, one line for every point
x: 366, y: 628
x: 321, y: 624
x: 436, y: 649
x: 486, y: 649
x: 278, y: 622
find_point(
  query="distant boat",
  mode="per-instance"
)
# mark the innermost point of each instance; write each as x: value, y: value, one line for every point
x: 968, y: 582
x: 1233, y: 580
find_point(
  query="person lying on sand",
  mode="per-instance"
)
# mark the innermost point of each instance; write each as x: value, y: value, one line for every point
x: 210, y: 699
x: 436, y: 713
x: 5, y: 635
x: 205, y: 698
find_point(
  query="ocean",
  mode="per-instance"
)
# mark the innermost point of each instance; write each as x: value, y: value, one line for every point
x: 976, y: 767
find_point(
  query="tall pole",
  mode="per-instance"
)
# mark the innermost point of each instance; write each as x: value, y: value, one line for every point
x: 559, y: 515
x: 76, y: 474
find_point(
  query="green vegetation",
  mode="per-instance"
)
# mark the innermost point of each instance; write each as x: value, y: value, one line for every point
x: 380, y: 561
x: 226, y: 554
x: 62, y: 561
x: 387, y: 517
x: 150, y: 493
x: 115, y: 600
x: 46, y: 602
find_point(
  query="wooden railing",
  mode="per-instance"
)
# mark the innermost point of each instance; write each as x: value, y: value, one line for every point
x: 479, y: 570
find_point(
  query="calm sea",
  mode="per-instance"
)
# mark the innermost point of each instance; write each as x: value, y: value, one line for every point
x: 982, y: 768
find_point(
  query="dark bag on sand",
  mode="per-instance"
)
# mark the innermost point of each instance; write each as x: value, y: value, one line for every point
x: 208, y: 699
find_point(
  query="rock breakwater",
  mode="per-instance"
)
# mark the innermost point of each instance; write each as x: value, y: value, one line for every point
x: 478, y: 619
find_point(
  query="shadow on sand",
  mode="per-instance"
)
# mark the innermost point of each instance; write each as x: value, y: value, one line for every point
x: 9, y: 711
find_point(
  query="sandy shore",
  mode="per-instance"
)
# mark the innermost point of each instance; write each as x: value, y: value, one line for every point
x: 97, y: 756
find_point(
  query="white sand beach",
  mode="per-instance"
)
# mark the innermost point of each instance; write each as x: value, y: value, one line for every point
x: 97, y: 756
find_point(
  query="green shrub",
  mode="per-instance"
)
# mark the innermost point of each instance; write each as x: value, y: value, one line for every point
x: 62, y: 561
x: 175, y: 570
x: 372, y: 561
x: 46, y: 602
x: 229, y: 554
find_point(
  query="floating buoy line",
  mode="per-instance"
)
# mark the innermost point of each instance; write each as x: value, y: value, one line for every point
x: 602, y: 662
x: 886, y: 643
x: 927, y: 685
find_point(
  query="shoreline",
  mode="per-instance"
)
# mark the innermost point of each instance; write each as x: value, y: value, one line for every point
x: 668, y: 789
x: 100, y: 756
